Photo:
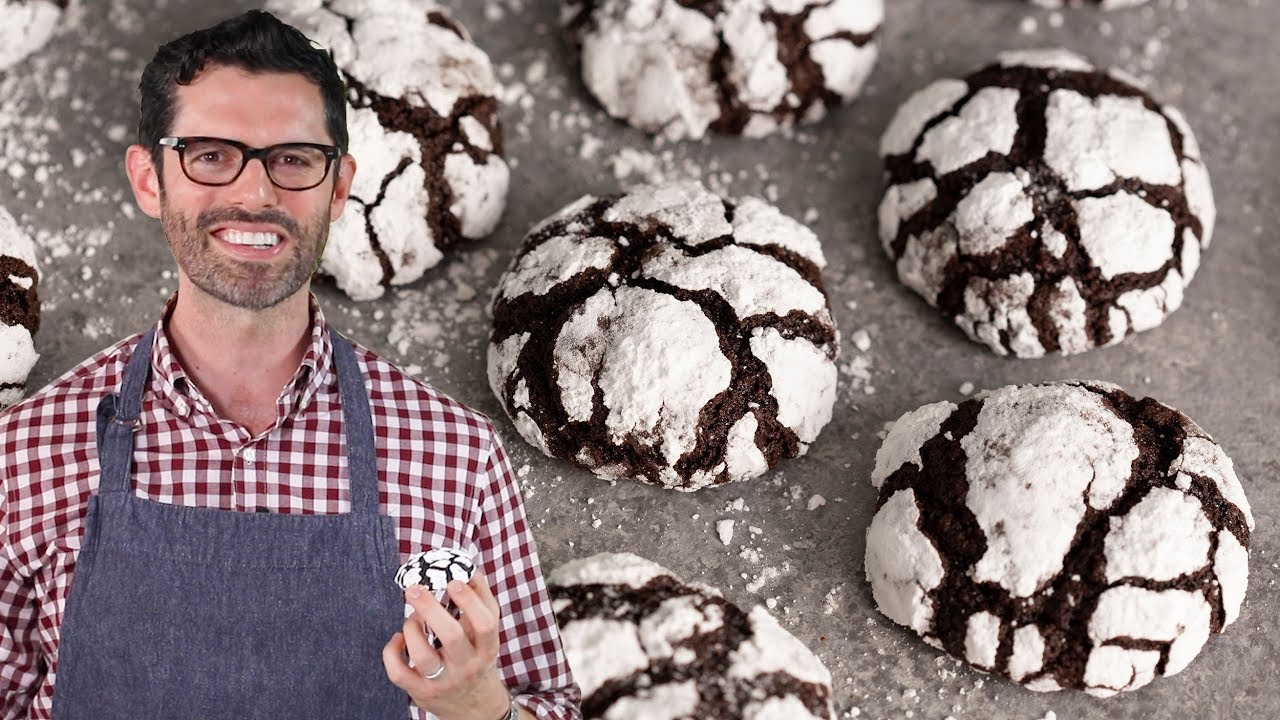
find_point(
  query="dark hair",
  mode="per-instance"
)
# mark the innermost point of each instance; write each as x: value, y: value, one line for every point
x: 256, y: 41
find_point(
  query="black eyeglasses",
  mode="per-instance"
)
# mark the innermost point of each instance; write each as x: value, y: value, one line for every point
x: 216, y: 161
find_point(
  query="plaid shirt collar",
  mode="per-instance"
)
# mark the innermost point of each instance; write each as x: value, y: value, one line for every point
x: 315, y: 373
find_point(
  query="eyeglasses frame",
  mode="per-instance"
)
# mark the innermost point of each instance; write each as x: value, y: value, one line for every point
x: 179, y: 144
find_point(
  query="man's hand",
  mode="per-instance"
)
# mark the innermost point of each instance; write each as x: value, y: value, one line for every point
x: 464, y: 682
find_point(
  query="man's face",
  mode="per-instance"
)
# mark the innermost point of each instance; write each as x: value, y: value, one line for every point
x: 213, y: 230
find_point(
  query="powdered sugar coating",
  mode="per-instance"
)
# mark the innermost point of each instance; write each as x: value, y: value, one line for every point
x: 902, y: 564
x: 27, y: 26
x: 902, y: 444
x: 424, y: 129
x: 19, y: 309
x: 1044, y: 205
x: 1027, y: 494
x: 678, y: 355
x: 747, y: 67
x: 985, y: 124
x: 1090, y: 143
x: 611, y: 568
x: 658, y: 367
x: 672, y: 650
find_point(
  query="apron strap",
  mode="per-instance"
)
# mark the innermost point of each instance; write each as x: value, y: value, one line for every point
x: 362, y: 463
x: 118, y: 418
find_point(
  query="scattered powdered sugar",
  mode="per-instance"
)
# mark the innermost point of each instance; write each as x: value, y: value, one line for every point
x: 433, y: 327
x: 724, y: 529
x: 437, y: 327
x: 831, y: 601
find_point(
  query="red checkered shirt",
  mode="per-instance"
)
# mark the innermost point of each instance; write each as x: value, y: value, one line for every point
x: 443, y: 476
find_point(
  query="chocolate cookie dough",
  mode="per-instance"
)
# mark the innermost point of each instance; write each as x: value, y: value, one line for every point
x: 1063, y: 535
x: 667, y: 335
x: 423, y: 120
x: 645, y: 646
x: 1044, y: 205
x: 746, y: 67
x: 19, y: 309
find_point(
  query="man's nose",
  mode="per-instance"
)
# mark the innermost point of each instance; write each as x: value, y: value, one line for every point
x: 254, y: 187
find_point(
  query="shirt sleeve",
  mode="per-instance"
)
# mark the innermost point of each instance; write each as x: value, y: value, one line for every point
x: 530, y: 657
x: 19, y: 658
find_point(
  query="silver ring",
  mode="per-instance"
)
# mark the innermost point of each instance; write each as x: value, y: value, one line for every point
x: 439, y: 671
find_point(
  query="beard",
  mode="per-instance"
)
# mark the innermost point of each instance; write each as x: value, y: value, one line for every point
x: 243, y: 283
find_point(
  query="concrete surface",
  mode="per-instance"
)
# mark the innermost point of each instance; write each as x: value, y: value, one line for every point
x: 106, y: 275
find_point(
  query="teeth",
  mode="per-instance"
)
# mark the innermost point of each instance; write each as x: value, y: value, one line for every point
x: 258, y: 240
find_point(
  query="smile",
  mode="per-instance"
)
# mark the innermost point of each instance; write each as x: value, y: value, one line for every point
x: 258, y: 240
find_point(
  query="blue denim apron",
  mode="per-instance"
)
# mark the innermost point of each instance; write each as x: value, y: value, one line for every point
x: 185, y: 612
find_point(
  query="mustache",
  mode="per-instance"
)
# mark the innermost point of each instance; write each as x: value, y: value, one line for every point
x: 214, y: 216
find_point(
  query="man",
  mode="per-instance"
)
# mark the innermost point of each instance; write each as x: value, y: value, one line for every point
x: 204, y: 521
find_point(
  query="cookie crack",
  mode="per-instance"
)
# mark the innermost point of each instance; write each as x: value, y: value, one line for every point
x: 347, y: 19
x: 748, y: 390
x: 436, y: 135
x: 805, y: 77
x: 375, y: 244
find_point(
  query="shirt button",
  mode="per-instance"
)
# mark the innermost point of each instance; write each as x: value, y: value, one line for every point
x: 249, y: 455
x: 181, y: 406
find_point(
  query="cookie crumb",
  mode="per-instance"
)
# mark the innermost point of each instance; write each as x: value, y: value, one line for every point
x: 724, y: 528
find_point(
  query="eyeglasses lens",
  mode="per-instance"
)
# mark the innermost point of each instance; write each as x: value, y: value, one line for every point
x: 292, y: 167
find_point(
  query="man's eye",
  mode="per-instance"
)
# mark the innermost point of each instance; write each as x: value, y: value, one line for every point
x: 293, y: 160
x: 210, y: 156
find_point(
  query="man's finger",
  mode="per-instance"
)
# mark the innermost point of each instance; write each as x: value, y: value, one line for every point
x: 478, y: 619
x: 424, y: 658
x: 398, y: 671
x: 455, y: 648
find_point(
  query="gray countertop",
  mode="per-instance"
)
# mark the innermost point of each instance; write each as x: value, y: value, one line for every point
x: 67, y: 114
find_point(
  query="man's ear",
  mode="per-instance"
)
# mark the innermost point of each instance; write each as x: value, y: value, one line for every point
x: 144, y: 178
x: 342, y: 188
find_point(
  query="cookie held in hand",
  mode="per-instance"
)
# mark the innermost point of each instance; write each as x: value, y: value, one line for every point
x: 435, y: 569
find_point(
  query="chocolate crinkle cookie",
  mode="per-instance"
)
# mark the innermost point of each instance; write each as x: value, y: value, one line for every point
x: 25, y: 27
x: 749, y: 67
x: 19, y: 309
x: 667, y: 335
x: 645, y: 646
x: 1063, y: 535
x: 1044, y: 205
x: 424, y: 126
x: 435, y: 569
